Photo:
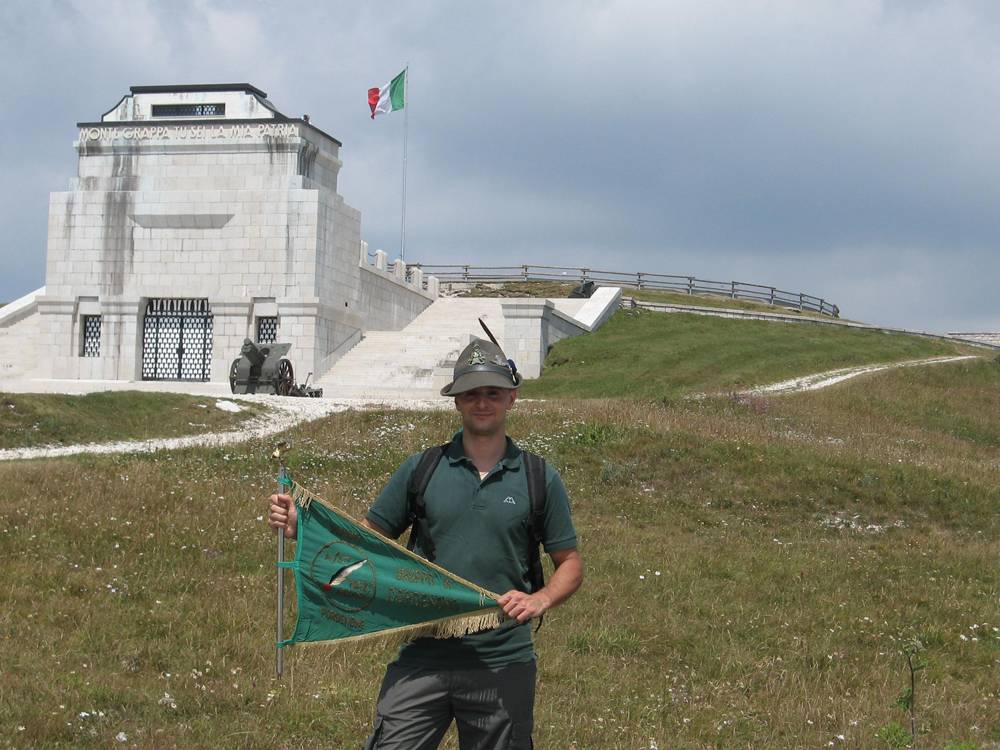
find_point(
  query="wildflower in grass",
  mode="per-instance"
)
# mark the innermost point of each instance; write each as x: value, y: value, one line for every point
x: 168, y: 700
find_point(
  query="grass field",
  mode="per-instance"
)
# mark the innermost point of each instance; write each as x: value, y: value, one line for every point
x: 31, y: 419
x: 757, y: 570
x: 716, y: 300
x: 675, y: 354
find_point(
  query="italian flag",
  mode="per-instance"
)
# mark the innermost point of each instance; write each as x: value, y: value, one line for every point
x: 388, y: 98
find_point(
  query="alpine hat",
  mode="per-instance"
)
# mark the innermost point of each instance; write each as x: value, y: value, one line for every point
x: 482, y: 364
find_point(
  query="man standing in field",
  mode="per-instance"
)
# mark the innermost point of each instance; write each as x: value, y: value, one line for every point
x: 476, y: 519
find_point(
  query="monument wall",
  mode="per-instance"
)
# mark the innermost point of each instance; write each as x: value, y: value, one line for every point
x: 178, y: 238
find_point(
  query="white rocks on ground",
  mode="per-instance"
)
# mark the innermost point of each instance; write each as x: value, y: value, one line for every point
x: 283, y: 414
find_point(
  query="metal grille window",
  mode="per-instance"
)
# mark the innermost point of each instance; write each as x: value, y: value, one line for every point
x: 177, y: 340
x: 188, y: 110
x: 267, y: 330
x: 91, y: 336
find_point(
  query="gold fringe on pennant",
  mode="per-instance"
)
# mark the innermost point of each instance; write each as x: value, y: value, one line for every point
x: 301, y: 496
x: 447, y: 627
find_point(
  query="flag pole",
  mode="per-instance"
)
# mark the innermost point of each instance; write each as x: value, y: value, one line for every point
x: 406, y: 121
x: 279, y: 663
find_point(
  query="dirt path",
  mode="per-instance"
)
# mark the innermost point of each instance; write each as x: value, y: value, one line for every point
x: 283, y: 414
x: 825, y: 379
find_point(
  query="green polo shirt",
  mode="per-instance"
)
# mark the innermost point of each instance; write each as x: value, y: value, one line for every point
x: 480, y: 532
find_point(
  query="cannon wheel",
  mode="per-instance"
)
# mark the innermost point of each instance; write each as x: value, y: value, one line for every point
x: 233, y: 368
x: 285, y: 380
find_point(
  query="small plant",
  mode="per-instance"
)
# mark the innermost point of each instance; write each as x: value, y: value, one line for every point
x: 619, y: 473
x: 596, y: 434
x: 907, y: 699
x: 894, y: 736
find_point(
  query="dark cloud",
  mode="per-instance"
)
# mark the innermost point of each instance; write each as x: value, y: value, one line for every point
x: 847, y: 149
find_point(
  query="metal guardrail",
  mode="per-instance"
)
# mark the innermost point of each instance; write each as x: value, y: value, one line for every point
x: 641, y: 280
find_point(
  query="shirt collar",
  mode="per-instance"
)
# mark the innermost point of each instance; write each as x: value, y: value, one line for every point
x: 455, y: 452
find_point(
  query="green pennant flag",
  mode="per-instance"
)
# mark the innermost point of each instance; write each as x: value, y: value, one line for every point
x: 352, y: 583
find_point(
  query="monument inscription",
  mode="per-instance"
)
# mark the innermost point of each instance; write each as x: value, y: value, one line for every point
x: 207, y: 131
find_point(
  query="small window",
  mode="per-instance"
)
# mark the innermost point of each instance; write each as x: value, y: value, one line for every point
x: 267, y: 330
x: 91, y: 336
x: 189, y: 110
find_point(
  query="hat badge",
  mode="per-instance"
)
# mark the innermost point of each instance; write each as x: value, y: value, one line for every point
x: 477, y: 358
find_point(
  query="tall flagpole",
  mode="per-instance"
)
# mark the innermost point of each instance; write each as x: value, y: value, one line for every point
x: 406, y: 120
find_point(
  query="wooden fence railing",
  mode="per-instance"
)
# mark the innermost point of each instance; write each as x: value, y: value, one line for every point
x: 642, y: 280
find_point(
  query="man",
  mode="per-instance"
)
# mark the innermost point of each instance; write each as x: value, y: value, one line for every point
x: 477, y: 524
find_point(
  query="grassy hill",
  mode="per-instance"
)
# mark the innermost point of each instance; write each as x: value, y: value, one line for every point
x: 757, y: 569
x: 652, y: 355
x: 32, y: 419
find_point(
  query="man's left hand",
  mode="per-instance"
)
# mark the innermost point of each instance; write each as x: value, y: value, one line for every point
x: 522, y: 607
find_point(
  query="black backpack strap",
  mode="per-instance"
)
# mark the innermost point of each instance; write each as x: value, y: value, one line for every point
x: 415, y: 489
x: 534, y: 469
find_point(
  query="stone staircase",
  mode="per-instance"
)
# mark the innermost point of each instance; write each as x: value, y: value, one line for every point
x: 417, y: 361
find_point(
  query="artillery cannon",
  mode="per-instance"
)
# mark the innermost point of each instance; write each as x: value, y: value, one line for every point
x: 262, y: 368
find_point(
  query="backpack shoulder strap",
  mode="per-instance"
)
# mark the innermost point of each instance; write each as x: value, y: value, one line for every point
x: 534, y: 469
x: 534, y: 466
x: 415, y: 489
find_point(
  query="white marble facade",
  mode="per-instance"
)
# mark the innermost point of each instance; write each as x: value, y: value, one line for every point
x: 209, y: 197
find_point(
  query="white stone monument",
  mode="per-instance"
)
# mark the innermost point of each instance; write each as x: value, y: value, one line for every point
x: 201, y: 215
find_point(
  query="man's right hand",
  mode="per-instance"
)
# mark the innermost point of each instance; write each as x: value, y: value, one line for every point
x: 283, y: 515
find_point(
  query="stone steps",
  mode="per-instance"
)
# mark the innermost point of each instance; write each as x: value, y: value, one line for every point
x: 417, y: 361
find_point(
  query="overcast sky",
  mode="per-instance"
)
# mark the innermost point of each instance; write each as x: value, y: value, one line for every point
x: 848, y: 149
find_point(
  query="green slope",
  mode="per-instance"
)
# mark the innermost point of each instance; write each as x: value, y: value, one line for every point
x: 754, y: 573
x: 34, y: 419
x: 756, y: 568
x: 646, y: 354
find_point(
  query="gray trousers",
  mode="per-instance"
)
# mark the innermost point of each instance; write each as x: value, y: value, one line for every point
x: 492, y: 708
